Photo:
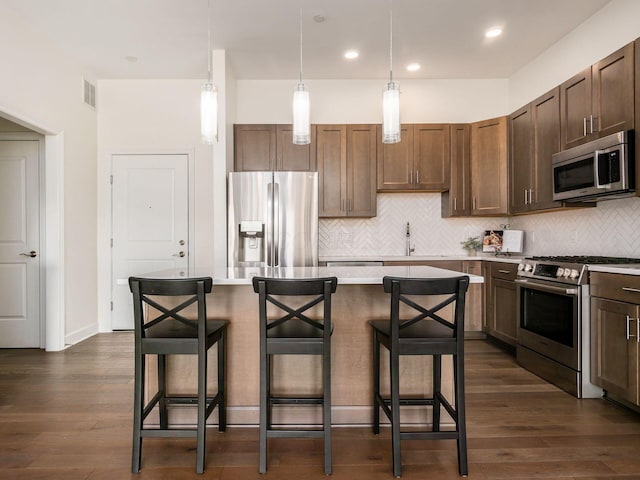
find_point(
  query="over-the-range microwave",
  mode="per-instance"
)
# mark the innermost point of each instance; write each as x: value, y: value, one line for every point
x: 598, y: 170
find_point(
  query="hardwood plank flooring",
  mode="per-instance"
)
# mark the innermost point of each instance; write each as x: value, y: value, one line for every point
x: 67, y: 415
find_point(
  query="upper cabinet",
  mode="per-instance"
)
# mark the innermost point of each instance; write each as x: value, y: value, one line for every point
x: 270, y: 147
x: 534, y: 135
x: 489, y: 179
x: 346, y: 170
x: 419, y: 162
x: 599, y: 100
x: 455, y: 202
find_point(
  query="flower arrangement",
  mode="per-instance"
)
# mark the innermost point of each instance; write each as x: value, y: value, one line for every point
x: 471, y: 244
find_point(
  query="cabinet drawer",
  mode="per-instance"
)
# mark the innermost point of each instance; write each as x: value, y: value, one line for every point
x: 505, y: 271
x: 624, y: 288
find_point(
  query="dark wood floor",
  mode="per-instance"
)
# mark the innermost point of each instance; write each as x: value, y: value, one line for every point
x: 67, y: 416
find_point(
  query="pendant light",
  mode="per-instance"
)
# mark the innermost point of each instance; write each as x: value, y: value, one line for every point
x: 301, y: 106
x: 209, y: 97
x: 391, y: 96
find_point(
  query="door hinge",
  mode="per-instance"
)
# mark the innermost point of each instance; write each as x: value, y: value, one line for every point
x: 111, y: 242
x: 111, y: 179
x: 111, y: 306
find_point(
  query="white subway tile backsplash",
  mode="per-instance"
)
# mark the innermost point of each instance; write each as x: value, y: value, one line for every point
x: 612, y: 228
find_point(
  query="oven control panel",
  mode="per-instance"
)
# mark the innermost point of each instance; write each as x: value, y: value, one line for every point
x: 573, y: 274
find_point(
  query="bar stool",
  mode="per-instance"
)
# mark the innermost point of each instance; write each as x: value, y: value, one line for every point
x: 422, y: 331
x: 166, y: 331
x: 297, y: 334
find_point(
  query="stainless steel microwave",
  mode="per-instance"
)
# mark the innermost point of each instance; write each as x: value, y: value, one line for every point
x: 598, y: 170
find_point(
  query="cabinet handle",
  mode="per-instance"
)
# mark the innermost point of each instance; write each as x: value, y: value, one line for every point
x: 531, y: 196
x: 504, y: 271
x: 342, y: 209
x: 350, y: 205
x: 473, y: 203
x: 526, y: 198
x: 591, y: 122
x: 410, y: 178
x: 417, y: 176
x: 455, y: 203
x: 629, y: 289
x: 629, y: 335
x: 584, y: 127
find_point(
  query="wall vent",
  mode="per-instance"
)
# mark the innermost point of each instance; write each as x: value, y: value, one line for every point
x: 89, y: 93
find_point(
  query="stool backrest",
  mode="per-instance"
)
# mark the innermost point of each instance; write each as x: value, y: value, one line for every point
x: 401, y: 288
x: 320, y: 288
x: 143, y: 289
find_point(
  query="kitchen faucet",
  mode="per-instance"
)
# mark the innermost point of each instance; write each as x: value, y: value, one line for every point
x: 409, y: 249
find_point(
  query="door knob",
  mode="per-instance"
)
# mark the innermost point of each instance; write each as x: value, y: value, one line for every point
x: 179, y: 254
x: 181, y: 242
x: 31, y: 254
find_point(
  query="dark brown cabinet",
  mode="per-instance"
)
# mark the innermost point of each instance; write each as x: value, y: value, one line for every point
x: 420, y: 161
x: 270, y: 147
x: 500, y: 301
x: 534, y: 136
x: 615, y: 351
x: 346, y: 156
x: 599, y: 100
x: 455, y: 202
x: 489, y: 179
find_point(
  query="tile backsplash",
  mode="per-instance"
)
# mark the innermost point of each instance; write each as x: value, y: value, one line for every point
x: 611, y: 228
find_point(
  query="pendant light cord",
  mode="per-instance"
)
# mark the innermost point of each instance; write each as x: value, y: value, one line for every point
x: 209, y: 40
x: 390, y: 40
x: 301, y: 45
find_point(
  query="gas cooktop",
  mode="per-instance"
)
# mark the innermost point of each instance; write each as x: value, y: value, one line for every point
x: 587, y: 259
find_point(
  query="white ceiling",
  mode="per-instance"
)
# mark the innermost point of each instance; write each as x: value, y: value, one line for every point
x: 261, y: 37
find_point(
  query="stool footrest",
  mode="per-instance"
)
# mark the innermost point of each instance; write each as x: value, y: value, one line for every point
x: 168, y: 432
x: 296, y: 400
x: 447, y: 435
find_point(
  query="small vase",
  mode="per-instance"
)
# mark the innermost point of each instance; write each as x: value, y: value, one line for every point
x: 472, y: 253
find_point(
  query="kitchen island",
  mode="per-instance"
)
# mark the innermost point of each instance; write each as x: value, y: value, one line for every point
x: 358, y: 298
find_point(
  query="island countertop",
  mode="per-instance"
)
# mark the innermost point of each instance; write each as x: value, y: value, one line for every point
x: 369, y: 275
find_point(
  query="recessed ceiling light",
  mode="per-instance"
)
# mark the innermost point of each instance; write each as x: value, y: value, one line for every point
x: 351, y: 54
x: 413, y: 67
x: 493, y: 32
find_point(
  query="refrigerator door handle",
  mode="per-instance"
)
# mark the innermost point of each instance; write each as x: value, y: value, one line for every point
x: 269, y: 232
x: 276, y: 224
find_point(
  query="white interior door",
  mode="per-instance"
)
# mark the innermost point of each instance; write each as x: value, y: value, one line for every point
x: 150, y: 215
x: 19, y: 244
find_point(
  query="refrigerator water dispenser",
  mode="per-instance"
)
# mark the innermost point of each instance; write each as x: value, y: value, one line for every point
x: 251, y: 241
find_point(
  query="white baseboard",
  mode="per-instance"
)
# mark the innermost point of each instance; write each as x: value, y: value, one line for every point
x: 80, y: 334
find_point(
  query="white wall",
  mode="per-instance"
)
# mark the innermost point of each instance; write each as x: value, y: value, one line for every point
x: 41, y: 86
x: 360, y: 101
x: 615, y: 25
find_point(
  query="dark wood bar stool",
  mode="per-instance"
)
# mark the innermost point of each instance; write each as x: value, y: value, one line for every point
x: 285, y: 329
x: 168, y: 331
x: 420, y: 330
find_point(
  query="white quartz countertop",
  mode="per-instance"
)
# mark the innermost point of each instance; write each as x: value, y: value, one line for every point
x: 633, y: 269
x: 345, y: 275
x: 420, y: 258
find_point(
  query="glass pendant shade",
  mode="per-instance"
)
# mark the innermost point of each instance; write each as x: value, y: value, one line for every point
x: 301, y: 122
x: 209, y: 113
x: 391, y: 113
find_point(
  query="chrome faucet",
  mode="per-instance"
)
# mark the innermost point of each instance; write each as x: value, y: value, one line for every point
x: 409, y: 249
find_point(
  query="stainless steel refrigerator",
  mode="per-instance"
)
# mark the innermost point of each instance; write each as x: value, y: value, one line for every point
x: 272, y: 219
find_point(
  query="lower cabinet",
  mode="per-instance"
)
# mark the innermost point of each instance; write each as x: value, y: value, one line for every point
x: 614, y: 335
x: 474, y: 300
x: 501, y: 320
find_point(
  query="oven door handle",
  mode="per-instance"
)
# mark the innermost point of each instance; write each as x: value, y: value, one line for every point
x: 547, y: 288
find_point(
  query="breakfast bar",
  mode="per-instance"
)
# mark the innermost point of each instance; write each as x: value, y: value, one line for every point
x: 359, y: 297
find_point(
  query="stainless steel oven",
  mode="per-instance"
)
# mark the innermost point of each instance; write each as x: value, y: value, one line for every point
x: 553, y: 323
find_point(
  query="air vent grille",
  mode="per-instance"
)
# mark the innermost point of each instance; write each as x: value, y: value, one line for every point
x: 89, y: 93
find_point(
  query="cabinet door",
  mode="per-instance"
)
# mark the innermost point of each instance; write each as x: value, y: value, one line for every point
x: 545, y: 112
x: 520, y: 158
x: 295, y: 158
x: 455, y: 202
x: 575, y: 110
x: 489, y: 167
x: 332, y: 170
x: 395, y: 161
x: 504, y: 326
x: 361, y: 171
x: 612, y: 96
x: 473, y: 304
x: 614, y: 353
x: 431, y: 157
x: 255, y: 148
